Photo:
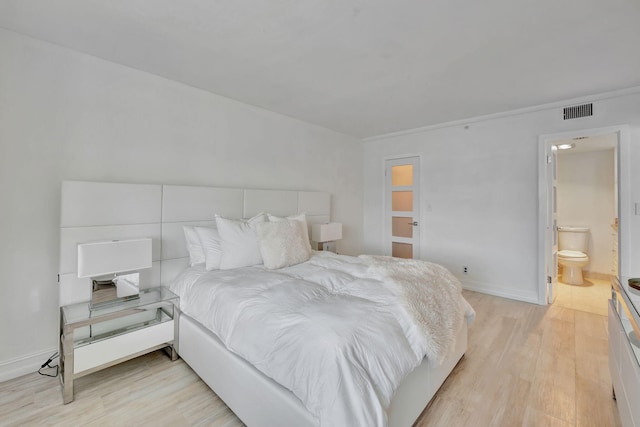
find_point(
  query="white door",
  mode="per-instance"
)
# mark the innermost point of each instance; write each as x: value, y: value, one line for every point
x: 402, y: 213
x: 551, y: 234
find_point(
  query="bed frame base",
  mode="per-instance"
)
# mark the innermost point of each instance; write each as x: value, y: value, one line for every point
x: 261, y: 402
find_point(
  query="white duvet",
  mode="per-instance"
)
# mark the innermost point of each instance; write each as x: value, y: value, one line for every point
x: 331, y: 330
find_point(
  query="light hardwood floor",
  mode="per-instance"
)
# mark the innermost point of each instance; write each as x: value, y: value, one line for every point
x: 526, y: 365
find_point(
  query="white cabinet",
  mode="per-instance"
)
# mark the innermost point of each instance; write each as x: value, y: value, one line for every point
x: 624, y: 353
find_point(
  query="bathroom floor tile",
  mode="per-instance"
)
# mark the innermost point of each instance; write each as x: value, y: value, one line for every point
x: 591, y: 297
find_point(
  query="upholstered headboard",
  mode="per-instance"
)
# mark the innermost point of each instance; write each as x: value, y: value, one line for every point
x: 93, y: 211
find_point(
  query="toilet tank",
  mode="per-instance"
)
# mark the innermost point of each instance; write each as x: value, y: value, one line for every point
x: 573, y: 238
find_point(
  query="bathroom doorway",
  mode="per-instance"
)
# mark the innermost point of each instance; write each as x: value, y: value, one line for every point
x: 588, y: 190
x: 587, y: 200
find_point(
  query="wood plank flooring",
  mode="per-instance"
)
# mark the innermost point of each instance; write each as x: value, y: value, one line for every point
x: 526, y: 365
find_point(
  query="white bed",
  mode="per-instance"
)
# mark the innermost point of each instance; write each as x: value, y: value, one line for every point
x: 259, y: 401
x: 160, y: 211
x: 327, y: 329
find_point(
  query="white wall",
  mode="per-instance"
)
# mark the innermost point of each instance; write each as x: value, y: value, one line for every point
x: 586, y: 198
x: 480, y: 185
x: 67, y: 115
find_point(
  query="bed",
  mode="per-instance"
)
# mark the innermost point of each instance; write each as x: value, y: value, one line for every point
x: 250, y: 391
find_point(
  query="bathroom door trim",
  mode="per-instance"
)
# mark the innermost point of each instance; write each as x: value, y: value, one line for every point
x: 545, y: 188
x: 551, y: 223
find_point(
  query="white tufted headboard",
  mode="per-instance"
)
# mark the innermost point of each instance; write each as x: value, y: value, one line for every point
x: 93, y: 211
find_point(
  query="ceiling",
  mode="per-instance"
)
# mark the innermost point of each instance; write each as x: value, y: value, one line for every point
x: 590, y: 143
x: 366, y: 67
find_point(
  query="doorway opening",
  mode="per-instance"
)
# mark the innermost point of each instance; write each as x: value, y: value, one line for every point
x: 582, y: 216
x: 587, y: 213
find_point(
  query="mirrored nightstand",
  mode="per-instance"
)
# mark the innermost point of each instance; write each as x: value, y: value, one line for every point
x: 92, y: 339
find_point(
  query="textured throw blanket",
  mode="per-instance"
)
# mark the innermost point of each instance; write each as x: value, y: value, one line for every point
x: 431, y: 296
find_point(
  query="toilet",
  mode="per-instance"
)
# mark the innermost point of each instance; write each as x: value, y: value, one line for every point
x: 572, y: 255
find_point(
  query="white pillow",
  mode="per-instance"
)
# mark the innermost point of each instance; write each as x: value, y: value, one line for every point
x: 302, y: 218
x: 210, y: 241
x: 283, y: 243
x: 239, y: 241
x: 194, y: 247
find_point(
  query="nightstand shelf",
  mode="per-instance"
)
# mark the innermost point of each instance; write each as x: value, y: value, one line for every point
x: 96, y: 338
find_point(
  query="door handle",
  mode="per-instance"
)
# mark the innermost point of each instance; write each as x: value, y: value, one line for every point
x: 414, y: 223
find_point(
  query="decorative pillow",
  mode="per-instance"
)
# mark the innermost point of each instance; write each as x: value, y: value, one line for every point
x: 210, y: 241
x: 283, y: 243
x: 239, y: 241
x: 302, y: 218
x: 194, y: 247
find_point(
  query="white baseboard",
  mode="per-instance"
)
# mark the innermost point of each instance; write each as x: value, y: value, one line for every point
x: 17, y: 367
x: 515, y: 294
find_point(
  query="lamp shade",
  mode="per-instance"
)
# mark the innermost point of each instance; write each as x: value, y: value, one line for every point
x: 326, y: 232
x: 114, y: 256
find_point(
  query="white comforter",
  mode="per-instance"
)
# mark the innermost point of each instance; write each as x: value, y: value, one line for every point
x: 330, y: 330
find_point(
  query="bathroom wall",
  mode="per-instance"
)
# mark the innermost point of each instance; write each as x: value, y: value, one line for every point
x: 586, y: 182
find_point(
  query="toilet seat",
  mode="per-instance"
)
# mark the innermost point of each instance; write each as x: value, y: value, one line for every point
x: 571, y: 254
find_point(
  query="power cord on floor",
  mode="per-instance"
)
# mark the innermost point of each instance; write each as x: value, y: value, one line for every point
x: 47, y: 365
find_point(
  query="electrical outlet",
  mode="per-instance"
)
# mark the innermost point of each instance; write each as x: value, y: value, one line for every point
x: 465, y: 269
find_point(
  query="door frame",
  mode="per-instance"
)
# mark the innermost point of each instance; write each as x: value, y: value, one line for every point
x: 386, y: 229
x: 624, y: 193
x: 551, y: 222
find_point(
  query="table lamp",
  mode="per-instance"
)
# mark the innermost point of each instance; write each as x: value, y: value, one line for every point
x: 325, y: 235
x: 113, y: 268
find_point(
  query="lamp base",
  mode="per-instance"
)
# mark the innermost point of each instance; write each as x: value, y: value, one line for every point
x: 325, y: 246
x: 117, y: 289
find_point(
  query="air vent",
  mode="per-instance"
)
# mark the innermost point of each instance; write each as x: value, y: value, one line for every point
x: 577, y: 111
